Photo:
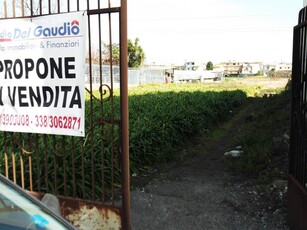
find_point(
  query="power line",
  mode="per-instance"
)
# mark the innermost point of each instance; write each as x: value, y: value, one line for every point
x: 201, y: 17
x: 216, y: 31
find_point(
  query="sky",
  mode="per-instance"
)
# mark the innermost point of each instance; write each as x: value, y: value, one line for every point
x: 175, y: 31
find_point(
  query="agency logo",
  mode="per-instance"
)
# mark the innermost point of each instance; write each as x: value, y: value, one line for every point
x: 66, y: 29
x: 5, y: 36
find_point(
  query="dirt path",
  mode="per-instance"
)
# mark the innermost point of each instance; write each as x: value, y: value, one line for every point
x: 199, y: 193
x: 265, y: 82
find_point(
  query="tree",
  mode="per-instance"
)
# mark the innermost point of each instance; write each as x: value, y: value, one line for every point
x: 136, y: 55
x: 107, y: 50
x: 17, y: 8
x: 271, y: 73
x: 209, y: 65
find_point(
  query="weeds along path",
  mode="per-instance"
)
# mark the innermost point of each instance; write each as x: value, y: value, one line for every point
x: 197, y: 192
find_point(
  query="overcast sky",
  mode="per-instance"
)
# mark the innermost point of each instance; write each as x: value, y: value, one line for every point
x: 172, y: 31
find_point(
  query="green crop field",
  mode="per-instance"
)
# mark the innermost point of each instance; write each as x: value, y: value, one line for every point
x: 162, y: 118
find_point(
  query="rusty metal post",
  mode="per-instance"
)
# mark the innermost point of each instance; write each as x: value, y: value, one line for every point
x: 124, y: 116
x: 14, y: 7
x: 22, y: 8
x: 5, y: 9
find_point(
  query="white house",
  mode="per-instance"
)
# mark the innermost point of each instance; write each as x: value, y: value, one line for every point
x: 283, y: 66
x: 250, y: 68
x: 189, y: 65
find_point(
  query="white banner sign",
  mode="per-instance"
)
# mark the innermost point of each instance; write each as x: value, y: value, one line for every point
x: 42, y: 69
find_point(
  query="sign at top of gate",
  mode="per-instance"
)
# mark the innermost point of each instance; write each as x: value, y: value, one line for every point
x: 42, y: 74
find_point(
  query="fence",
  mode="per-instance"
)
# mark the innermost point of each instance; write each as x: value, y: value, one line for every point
x: 297, y: 188
x: 136, y: 77
x: 84, y: 172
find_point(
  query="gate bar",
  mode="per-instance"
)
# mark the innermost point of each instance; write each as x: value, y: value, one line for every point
x: 103, y: 11
x: 124, y: 116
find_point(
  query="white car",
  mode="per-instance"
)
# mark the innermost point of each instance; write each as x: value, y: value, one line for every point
x: 19, y: 210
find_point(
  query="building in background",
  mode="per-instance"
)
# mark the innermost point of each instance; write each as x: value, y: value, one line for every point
x: 189, y: 65
x: 232, y: 68
x: 283, y: 66
x: 251, y: 68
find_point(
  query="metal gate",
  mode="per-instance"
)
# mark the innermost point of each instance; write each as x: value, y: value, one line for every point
x: 297, y: 189
x: 90, y: 172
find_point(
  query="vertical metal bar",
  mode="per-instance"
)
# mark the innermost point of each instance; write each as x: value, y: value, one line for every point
x: 37, y: 156
x: 297, y: 109
x: 101, y: 108
x: 40, y: 7
x: 14, y: 10
x: 303, y: 109
x: 73, y: 166
x: 64, y: 165
x: 22, y: 171
x: 111, y: 103
x: 6, y: 162
x: 14, y: 166
x: 49, y: 6
x: 295, y: 70
x: 21, y: 162
x: 68, y: 6
x: 5, y: 155
x: 124, y: 115
x: 83, y: 171
x: 302, y: 106
x: 22, y: 8
x: 13, y: 157
x: 298, y: 142
x: 59, y: 10
x: 31, y: 7
x: 302, y: 118
x: 5, y: 9
x: 30, y: 163
x: 91, y: 109
x: 46, y: 163
x: 30, y: 173
x: 55, y: 168
x: 300, y: 109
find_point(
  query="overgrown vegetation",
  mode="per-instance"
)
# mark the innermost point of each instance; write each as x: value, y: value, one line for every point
x: 264, y: 137
x: 161, y: 119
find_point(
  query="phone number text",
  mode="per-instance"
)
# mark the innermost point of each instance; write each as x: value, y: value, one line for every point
x: 41, y: 121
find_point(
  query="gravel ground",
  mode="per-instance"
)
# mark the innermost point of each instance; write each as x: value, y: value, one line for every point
x: 199, y: 193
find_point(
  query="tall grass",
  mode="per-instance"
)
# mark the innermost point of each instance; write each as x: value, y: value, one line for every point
x: 161, y: 119
x: 262, y: 137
